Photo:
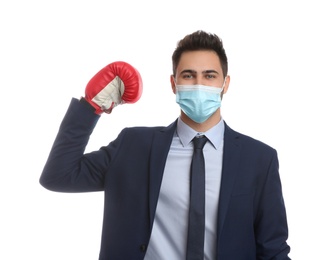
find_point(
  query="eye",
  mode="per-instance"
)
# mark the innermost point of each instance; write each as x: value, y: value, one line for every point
x: 187, y: 76
x: 210, y: 76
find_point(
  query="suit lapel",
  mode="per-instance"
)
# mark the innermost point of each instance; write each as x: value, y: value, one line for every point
x: 231, y: 159
x: 160, y: 147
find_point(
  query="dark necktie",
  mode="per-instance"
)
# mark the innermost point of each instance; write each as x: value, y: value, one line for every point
x: 196, y: 229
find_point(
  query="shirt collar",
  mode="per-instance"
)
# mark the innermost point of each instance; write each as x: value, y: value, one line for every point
x: 215, y: 134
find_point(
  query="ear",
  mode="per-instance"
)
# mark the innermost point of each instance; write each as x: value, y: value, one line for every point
x: 226, y: 84
x: 173, y: 83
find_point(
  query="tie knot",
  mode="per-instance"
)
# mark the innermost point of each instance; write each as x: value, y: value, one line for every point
x: 199, y: 142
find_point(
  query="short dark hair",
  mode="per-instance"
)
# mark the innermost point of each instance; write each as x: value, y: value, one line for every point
x: 200, y: 40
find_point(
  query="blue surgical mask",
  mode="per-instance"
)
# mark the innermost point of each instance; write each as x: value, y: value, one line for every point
x: 198, y: 102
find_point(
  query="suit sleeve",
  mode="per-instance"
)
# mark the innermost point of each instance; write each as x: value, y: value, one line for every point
x: 271, y: 223
x: 67, y: 168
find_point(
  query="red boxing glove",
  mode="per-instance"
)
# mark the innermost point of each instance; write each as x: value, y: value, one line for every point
x: 115, y: 84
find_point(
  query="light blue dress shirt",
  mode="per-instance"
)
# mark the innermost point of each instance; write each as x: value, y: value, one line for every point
x: 169, y: 233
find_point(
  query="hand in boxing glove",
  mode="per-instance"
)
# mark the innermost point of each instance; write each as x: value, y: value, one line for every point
x: 115, y: 84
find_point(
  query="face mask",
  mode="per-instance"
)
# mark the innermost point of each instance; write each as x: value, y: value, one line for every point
x: 198, y: 102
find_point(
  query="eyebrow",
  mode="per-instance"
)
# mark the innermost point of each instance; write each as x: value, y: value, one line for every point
x: 195, y: 72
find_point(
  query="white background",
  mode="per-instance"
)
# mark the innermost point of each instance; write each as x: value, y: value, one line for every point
x: 280, y: 93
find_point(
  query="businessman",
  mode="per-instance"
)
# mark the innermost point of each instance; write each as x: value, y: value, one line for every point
x: 195, y: 189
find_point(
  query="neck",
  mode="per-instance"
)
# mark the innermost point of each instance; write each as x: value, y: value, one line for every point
x: 202, y: 127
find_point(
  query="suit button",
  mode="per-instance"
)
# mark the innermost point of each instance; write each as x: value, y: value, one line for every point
x: 142, y: 248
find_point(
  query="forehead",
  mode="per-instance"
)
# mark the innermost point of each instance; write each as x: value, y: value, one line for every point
x: 199, y: 61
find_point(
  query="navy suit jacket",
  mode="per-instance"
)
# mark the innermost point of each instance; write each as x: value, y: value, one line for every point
x: 251, y: 218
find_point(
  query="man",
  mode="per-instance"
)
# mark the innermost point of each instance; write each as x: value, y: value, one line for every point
x: 145, y: 171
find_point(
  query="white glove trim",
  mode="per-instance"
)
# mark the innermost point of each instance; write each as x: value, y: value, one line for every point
x: 111, y: 95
